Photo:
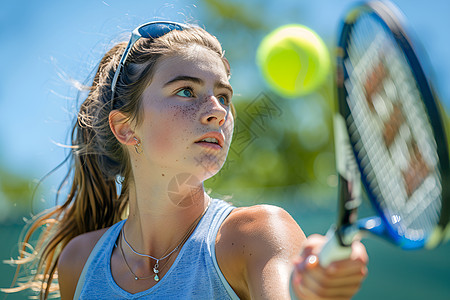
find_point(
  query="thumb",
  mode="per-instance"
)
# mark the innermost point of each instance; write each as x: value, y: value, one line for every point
x: 307, y: 264
x: 302, y: 267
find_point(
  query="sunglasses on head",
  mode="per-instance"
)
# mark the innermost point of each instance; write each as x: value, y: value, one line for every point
x: 151, y: 30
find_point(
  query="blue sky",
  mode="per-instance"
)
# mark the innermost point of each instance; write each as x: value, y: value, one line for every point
x: 43, y: 43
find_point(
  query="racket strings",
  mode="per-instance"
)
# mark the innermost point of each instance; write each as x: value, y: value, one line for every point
x: 390, y: 130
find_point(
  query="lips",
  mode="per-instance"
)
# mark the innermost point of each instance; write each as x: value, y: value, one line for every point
x: 213, y: 138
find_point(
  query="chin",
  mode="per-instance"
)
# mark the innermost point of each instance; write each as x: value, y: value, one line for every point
x: 210, y: 173
x: 207, y: 173
x: 208, y: 166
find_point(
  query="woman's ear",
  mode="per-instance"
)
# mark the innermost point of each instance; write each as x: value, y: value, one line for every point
x: 121, y: 127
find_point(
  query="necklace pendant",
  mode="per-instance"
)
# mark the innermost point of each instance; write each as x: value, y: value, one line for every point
x: 156, y: 271
x: 136, y: 278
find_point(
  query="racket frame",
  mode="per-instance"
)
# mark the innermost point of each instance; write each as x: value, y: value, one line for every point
x: 349, y: 194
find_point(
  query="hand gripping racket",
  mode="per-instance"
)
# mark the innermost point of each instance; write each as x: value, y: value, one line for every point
x: 390, y: 137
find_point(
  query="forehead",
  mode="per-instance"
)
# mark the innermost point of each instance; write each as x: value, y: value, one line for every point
x: 195, y: 61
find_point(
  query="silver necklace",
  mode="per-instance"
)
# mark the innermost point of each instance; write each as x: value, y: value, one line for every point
x: 128, y: 266
x: 156, y: 266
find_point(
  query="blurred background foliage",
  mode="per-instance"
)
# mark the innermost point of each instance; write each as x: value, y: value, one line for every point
x: 279, y: 145
x: 282, y: 152
x: 17, y: 190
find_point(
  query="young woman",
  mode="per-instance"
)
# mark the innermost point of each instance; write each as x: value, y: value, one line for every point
x: 157, y: 122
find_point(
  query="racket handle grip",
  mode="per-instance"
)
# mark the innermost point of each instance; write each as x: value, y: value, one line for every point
x: 333, y: 250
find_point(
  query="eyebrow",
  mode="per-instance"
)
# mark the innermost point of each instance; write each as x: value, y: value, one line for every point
x: 184, y: 78
x: 198, y: 81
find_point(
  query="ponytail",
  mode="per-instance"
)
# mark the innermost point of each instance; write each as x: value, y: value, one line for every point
x: 93, y: 201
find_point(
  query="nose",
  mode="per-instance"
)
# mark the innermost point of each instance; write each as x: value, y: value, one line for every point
x: 214, y: 113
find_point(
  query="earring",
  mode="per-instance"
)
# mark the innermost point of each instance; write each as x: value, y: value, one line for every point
x: 138, y: 146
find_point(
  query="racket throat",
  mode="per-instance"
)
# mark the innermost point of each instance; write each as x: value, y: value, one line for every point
x: 375, y: 226
x: 346, y: 235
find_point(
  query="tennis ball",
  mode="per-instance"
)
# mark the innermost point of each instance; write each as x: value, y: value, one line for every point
x: 293, y: 60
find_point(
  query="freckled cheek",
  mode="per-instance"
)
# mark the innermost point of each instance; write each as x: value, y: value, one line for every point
x: 171, y: 128
x: 186, y: 113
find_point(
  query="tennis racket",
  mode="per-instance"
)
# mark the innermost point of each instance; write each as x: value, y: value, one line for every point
x: 389, y: 135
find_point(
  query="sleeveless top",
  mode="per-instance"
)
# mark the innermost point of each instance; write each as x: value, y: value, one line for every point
x: 195, y: 273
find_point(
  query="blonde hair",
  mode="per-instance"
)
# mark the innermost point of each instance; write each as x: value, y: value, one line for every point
x: 98, y: 159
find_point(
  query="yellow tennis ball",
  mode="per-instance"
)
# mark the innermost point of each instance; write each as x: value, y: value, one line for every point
x: 293, y: 60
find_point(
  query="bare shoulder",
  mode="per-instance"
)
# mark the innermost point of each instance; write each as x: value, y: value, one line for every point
x: 72, y: 260
x: 266, y: 224
x: 254, y: 239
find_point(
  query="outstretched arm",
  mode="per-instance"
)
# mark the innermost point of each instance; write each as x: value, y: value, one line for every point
x: 258, y: 249
x: 255, y: 249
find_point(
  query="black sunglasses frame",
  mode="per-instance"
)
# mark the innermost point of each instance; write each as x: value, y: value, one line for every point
x: 151, y: 30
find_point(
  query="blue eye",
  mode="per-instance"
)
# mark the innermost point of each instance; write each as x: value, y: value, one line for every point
x: 223, y: 100
x: 185, y: 92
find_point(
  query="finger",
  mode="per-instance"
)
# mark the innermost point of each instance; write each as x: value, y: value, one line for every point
x: 305, y: 291
x: 347, y: 268
x: 301, y: 270
x: 334, y: 276
x: 311, y: 281
x: 309, y: 263
x: 355, y: 264
x: 313, y: 245
x: 329, y: 288
x: 341, y: 281
x: 359, y: 252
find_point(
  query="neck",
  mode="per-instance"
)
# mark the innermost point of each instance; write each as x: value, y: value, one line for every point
x: 160, y: 217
